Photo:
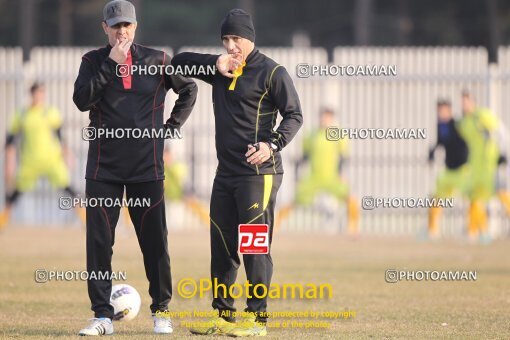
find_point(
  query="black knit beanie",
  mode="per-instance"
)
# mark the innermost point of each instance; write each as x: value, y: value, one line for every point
x: 238, y: 22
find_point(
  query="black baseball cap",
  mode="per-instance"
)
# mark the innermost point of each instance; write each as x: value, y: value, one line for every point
x: 118, y: 11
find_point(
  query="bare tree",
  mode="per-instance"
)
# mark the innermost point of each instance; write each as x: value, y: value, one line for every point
x: 494, y: 30
x: 26, y: 27
x: 64, y: 23
x: 363, y: 11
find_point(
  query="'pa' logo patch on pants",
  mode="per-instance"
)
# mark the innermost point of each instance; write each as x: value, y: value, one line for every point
x: 253, y: 238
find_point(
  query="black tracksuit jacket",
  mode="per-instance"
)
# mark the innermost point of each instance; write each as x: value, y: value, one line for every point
x: 247, y: 113
x: 113, y: 103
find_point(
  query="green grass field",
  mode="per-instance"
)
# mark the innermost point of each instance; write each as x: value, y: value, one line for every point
x: 355, y: 269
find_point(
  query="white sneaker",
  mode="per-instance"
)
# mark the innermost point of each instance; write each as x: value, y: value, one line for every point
x: 101, y: 326
x: 162, y: 323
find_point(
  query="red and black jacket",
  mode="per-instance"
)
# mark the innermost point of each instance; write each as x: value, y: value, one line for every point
x: 135, y: 102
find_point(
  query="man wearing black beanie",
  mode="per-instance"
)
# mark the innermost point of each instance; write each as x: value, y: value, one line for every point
x: 249, y: 90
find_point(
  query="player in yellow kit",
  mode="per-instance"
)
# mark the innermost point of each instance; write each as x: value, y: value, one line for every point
x: 478, y: 127
x: 175, y: 176
x: 324, y: 157
x: 41, y: 155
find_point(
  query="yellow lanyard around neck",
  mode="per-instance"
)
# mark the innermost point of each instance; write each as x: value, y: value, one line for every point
x: 237, y: 73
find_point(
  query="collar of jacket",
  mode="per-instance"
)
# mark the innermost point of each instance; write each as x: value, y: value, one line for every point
x: 252, y: 56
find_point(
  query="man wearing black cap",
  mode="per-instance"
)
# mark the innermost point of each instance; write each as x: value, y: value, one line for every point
x: 248, y: 92
x: 120, y: 102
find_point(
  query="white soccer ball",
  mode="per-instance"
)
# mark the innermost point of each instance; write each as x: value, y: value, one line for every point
x: 125, y: 301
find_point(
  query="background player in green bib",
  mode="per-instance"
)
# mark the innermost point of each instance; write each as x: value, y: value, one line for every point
x: 324, y: 157
x: 41, y: 154
x: 478, y: 127
x: 453, y: 179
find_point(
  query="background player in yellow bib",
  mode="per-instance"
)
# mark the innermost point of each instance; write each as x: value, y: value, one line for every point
x: 175, y: 187
x: 324, y: 157
x: 41, y: 153
x: 478, y: 127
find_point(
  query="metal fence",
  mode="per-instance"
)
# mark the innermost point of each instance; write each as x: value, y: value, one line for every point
x: 379, y: 168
